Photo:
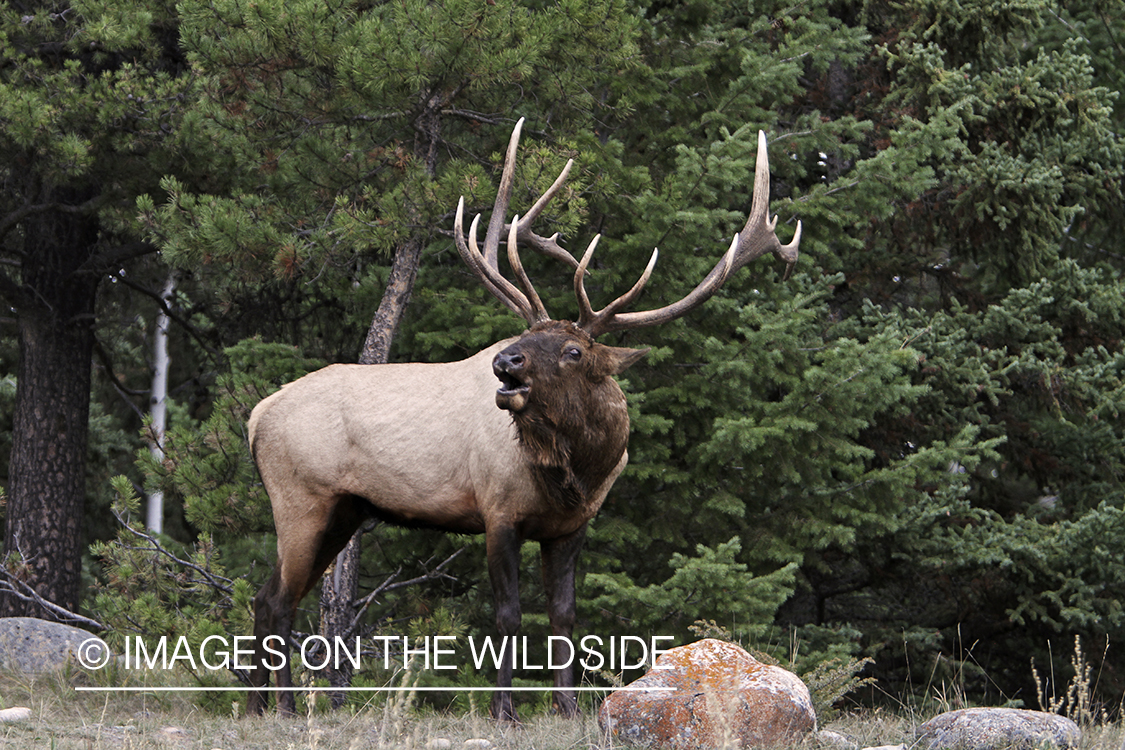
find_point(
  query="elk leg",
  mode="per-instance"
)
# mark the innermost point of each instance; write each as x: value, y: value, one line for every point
x: 503, y: 546
x: 266, y: 608
x: 296, y: 574
x: 559, y: 560
x: 274, y: 608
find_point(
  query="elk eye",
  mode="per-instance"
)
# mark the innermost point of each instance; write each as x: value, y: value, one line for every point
x: 572, y: 353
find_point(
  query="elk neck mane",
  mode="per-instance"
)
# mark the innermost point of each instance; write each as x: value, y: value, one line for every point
x: 567, y: 464
x: 575, y: 441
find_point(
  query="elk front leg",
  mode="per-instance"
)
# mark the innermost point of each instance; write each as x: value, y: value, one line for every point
x: 503, y: 546
x: 560, y: 558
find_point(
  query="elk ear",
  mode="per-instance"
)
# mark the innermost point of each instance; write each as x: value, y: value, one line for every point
x: 618, y: 359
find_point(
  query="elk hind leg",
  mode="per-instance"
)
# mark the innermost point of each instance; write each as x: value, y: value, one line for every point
x: 303, y: 554
x: 273, y: 618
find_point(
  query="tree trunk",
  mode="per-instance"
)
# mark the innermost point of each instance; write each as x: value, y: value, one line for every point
x: 158, y: 402
x: 341, y: 582
x: 47, y: 472
x: 400, y: 285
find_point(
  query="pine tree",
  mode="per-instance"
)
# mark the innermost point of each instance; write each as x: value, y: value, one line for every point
x: 89, y: 95
x: 347, y: 132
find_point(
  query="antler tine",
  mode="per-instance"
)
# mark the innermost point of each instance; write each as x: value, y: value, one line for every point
x: 486, y: 264
x: 706, y: 288
x: 496, y: 224
x: 591, y: 321
x: 756, y: 239
x: 544, y: 199
x: 503, y: 197
x: 500, y: 287
x: 536, y: 305
x: 549, y: 246
x: 585, y: 310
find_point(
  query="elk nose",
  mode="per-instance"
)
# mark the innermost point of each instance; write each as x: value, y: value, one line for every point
x: 509, y: 360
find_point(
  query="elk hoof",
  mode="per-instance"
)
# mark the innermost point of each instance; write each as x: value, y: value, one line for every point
x: 565, y: 706
x: 503, y: 711
x: 256, y: 704
x: 286, y: 704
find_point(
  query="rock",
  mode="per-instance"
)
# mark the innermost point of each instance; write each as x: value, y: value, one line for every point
x: 478, y: 744
x: 439, y: 743
x: 828, y: 739
x: 32, y: 646
x: 15, y: 713
x: 721, y: 694
x: 998, y: 729
x: 173, y: 733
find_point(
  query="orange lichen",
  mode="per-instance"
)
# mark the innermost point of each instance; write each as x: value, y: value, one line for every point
x: 720, y: 695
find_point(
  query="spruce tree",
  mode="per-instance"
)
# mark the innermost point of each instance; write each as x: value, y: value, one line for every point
x: 989, y: 272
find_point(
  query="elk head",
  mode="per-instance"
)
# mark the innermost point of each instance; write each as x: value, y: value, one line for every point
x: 549, y: 379
x: 573, y: 343
x: 555, y: 367
x: 550, y: 351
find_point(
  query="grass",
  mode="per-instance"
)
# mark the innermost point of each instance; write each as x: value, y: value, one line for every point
x: 62, y: 718
x: 65, y: 718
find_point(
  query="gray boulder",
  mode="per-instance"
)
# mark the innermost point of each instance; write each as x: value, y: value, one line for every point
x: 998, y: 729
x: 30, y: 645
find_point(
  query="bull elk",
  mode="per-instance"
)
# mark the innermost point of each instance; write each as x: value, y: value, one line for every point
x: 425, y: 444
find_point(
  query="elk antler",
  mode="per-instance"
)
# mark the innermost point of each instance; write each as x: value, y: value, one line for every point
x: 526, y: 304
x: 756, y: 239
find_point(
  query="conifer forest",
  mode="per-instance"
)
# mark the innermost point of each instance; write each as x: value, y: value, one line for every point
x: 908, y: 456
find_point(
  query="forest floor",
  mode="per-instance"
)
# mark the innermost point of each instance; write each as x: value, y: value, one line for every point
x: 63, y: 717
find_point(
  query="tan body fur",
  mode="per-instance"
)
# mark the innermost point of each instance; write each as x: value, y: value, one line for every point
x: 458, y: 478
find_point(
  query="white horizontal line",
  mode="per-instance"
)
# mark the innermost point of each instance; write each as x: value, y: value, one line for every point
x: 421, y: 689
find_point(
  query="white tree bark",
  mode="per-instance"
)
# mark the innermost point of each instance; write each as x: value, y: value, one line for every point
x: 158, y: 404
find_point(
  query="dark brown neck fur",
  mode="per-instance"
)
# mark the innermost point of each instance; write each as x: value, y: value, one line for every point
x: 572, y: 457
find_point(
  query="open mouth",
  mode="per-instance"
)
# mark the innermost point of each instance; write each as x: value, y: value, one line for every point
x: 513, y: 391
x: 510, y: 385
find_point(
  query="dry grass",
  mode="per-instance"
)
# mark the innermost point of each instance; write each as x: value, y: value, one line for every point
x: 65, y: 718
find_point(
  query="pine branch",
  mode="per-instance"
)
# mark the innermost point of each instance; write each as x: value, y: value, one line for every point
x: 389, y: 585
x: 21, y: 590
x: 215, y: 581
x: 192, y: 330
x: 119, y: 387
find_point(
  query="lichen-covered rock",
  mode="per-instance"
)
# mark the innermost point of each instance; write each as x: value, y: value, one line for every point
x: 721, y: 695
x: 998, y: 729
x: 32, y: 645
